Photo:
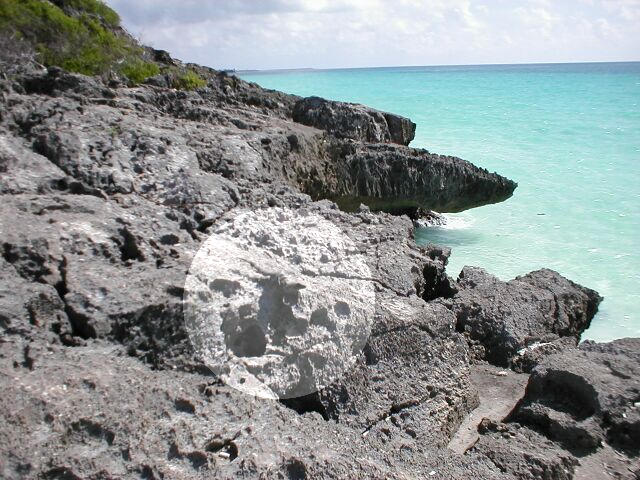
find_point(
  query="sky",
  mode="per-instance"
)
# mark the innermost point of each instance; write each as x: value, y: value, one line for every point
x: 275, y: 34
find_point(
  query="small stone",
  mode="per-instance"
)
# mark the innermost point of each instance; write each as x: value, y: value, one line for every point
x: 502, y: 373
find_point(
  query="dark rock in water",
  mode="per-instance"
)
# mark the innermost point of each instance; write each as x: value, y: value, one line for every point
x: 350, y: 120
x: 394, y: 179
x: 586, y: 396
x: 506, y: 317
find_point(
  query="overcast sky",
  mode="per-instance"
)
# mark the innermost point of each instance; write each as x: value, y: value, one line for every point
x: 266, y: 34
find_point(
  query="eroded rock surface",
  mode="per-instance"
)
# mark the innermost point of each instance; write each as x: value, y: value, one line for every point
x: 504, y: 318
x: 586, y: 396
x: 108, y: 193
x: 403, y: 180
x: 579, y: 417
x: 279, y: 302
x: 351, y: 120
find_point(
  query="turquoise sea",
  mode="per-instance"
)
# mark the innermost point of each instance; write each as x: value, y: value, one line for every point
x: 569, y: 134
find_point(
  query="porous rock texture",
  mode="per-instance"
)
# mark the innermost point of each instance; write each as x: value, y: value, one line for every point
x: 277, y: 301
x: 579, y: 417
x: 405, y: 180
x: 504, y: 319
x: 107, y: 195
x: 583, y: 397
x: 350, y: 120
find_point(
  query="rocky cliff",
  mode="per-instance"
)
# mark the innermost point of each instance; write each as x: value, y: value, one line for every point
x: 110, y: 191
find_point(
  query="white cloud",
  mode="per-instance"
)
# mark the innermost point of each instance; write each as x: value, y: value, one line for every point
x: 349, y: 33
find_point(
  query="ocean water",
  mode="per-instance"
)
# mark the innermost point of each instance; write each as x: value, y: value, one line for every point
x: 569, y: 134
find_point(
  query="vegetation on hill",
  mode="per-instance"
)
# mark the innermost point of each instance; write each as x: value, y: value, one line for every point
x: 82, y: 36
x: 190, y: 80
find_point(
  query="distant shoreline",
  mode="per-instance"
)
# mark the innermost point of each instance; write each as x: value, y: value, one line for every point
x: 473, y: 65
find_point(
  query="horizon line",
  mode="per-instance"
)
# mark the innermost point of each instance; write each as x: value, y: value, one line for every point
x: 302, y: 69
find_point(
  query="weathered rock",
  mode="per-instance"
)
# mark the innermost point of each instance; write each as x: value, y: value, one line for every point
x: 529, y: 357
x: 55, y: 81
x: 119, y: 279
x: 506, y: 317
x: 279, y: 302
x: 92, y: 411
x: 397, y: 179
x: 413, y: 372
x: 355, y: 121
x: 75, y: 243
x: 92, y: 139
x: 585, y: 396
x: 523, y: 453
x: 107, y: 195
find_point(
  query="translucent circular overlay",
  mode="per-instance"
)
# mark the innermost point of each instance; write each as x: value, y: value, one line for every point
x: 278, y: 302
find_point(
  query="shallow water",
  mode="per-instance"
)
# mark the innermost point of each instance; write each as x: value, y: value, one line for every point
x: 569, y: 134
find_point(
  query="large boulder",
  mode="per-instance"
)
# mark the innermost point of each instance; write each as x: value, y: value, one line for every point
x: 411, y: 385
x: 504, y: 318
x: 585, y: 397
x: 355, y: 121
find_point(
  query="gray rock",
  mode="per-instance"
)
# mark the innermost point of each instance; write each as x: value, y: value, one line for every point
x: 57, y: 81
x: 279, y: 302
x: 401, y: 180
x: 414, y: 372
x: 116, y: 277
x: 523, y: 453
x: 160, y: 80
x: 107, y: 196
x: 585, y: 396
x: 351, y: 120
x: 529, y: 357
x: 503, y: 318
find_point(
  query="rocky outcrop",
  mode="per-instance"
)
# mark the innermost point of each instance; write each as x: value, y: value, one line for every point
x: 579, y: 417
x: 587, y: 396
x: 354, y: 121
x: 211, y: 136
x: 94, y: 411
x: 527, y: 454
x: 414, y: 371
x: 504, y: 319
x: 403, y: 180
x: 109, y: 193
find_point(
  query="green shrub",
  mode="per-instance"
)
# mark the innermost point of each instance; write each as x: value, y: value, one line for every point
x: 190, y: 80
x: 138, y: 70
x: 91, y: 7
x: 75, y: 35
x: 37, y: 21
